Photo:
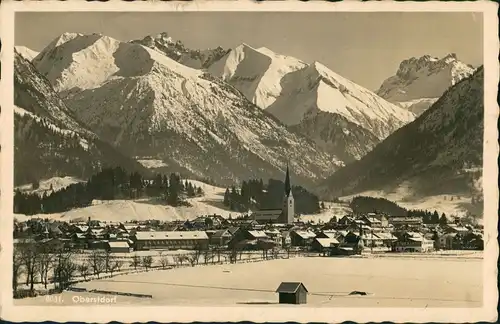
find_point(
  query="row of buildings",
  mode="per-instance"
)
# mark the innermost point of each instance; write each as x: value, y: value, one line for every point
x: 348, y: 235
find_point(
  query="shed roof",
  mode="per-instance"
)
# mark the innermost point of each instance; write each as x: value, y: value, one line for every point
x: 290, y: 287
x: 118, y: 244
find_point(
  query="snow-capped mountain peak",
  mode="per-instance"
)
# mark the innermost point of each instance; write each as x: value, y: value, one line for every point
x: 151, y: 105
x: 422, y: 78
x: 256, y: 72
x: 289, y: 88
x: 165, y: 44
x: 26, y: 52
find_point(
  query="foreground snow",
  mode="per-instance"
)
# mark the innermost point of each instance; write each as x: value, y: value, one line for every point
x: 389, y: 282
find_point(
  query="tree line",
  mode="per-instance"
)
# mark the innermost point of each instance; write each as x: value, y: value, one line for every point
x: 108, y: 184
x: 253, y: 195
x: 365, y: 205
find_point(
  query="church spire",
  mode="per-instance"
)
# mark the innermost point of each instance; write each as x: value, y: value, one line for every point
x: 288, y: 187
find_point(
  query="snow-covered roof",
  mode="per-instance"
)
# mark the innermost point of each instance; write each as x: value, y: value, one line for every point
x: 305, y: 234
x: 327, y: 242
x: 258, y: 234
x: 117, y: 244
x: 171, y: 235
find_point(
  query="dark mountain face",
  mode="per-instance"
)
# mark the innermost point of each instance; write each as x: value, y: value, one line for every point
x: 48, y: 140
x: 336, y: 135
x: 440, y: 152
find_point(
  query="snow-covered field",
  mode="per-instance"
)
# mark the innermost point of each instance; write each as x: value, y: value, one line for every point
x: 127, y: 210
x: 388, y: 282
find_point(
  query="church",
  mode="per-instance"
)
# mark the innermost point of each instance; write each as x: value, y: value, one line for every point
x: 286, y: 214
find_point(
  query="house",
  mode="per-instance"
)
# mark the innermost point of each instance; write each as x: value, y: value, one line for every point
x: 221, y: 237
x: 118, y: 247
x: 275, y: 235
x: 346, y: 220
x: 170, y: 240
x: 413, y: 242
x: 301, y: 237
x: 384, y: 221
x: 292, y: 293
x: 387, y: 238
x: 324, y: 245
x: 247, y: 238
x: 372, y: 221
x: 405, y: 221
x: 446, y: 241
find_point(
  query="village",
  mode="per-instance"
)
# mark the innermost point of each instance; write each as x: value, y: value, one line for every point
x: 50, y: 256
x: 351, y: 234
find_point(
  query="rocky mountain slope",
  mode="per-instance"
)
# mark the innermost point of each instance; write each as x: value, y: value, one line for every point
x: 155, y: 108
x: 197, y: 59
x: 295, y: 92
x: 48, y: 140
x: 439, y: 153
x: 419, y: 82
x: 25, y: 52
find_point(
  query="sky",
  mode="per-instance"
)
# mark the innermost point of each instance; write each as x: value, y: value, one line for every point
x: 364, y: 47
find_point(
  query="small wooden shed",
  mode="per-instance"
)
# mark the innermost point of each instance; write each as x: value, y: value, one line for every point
x: 292, y: 293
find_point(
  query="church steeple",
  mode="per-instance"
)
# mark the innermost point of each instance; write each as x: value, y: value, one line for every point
x: 288, y: 187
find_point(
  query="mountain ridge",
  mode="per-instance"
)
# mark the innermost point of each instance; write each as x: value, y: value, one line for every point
x: 445, y: 155
x: 419, y: 82
x: 168, y: 111
x: 47, y: 136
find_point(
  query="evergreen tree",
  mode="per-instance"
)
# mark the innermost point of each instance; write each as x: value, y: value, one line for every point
x: 443, y: 221
x: 435, y: 217
x: 227, y: 198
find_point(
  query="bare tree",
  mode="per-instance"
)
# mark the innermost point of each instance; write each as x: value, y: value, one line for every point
x: 29, y: 259
x: 45, y: 263
x: 107, y: 260
x: 84, y: 269
x: 64, y: 269
x: 115, y: 266
x: 163, y: 258
x: 193, y: 258
x: 97, y: 262
x: 136, y: 261
x: 147, y: 261
x: 17, y: 264
x: 207, y: 255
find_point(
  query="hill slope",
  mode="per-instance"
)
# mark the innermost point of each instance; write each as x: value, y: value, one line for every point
x: 439, y: 153
x: 152, y: 107
x: 48, y: 140
x: 296, y: 92
x: 419, y: 82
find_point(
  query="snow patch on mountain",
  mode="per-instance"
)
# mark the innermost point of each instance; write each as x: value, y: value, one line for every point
x: 26, y: 52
